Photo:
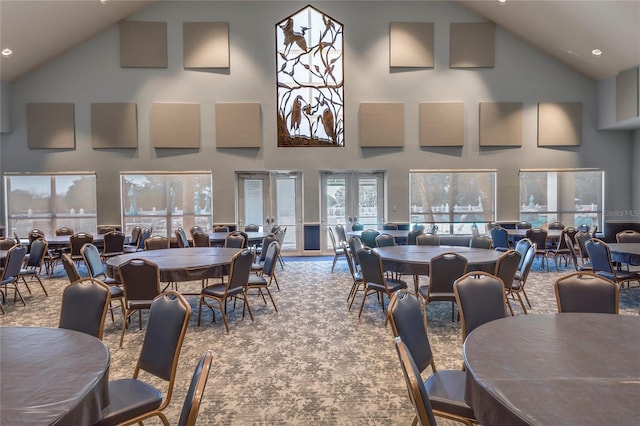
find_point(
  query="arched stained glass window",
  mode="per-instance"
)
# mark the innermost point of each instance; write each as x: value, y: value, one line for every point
x: 310, y: 80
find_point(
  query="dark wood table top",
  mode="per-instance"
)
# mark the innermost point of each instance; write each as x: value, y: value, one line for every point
x: 625, y: 252
x: 180, y: 264
x: 547, y: 369
x: 52, y: 376
x: 551, y: 233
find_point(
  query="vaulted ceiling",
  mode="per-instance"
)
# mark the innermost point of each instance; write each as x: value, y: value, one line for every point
x: 38, y: 31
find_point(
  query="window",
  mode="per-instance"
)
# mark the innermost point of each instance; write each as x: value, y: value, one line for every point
x: 166, y: 202
x: 50, y: 201
x: 310, y: 80
x: 573, y: 197
x: 452, y: 200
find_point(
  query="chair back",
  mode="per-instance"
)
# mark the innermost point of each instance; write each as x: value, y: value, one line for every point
x: 140, y: 280
x: 355, y: 244
x: 13, y: 264
x: 352, y: 267
x: 481, y: 298
x: 586, y: 292
x: 168, y: 319
x: 342, y: 235
x: 181, y: 238
x: 34, y: 234
x: 7, y: 243
x: 92, y: 259
x: 332, y: 237
x: 37, y: 253
x: 191, y: 405
x: 357, y: 227
x: 145, y: 234
x: 428, y: 240
x: 600, y: 256
x: 527, y: 263
x: 239, y: 270
x: 390, y: 226
x: 113, y: 243
x: 368, y: 237
x: 84, y: 306
x: 523, y: 224
x: 385, y: 240
x: 474, y: 230
x: 64, y: 230
x: 444, y: 270
x: 417, y: 391
x: 556, y: 225
x: 539, y: 237
x: 236, y: 239
x: 266, y: 241
x: 581, y: 238
x: 571, y: 231
x: 271, y: 259
x: 197, y: 228
x: 407, y: 322
x: 371, y: 266
x: 70, y: 267
x: 136, y: 231
x: 500, y: 238
x: 77, y: 240
x: 413, y: 235
x: 507, y: 266
x: 572, y: 251
x: 628, y: 236
x: 217, y: 228
x: 251, y: 228
x: 201, y: 239
x: 522, y: 246
x: 481, y: 241
x: 156, y: 242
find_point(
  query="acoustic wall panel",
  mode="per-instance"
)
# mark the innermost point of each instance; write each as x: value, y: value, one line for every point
x: 206, y: 44
x: 442, y: 124
x: 175, y: 125
x: 471, y: 45
x: 627, y: 95
x: 238, y: 125
x: 51, y: 126
x: 143, y: 44
x: 381, y: 124
x: 500, y: 123
x: 114, y: 125
x: 411, y: 44
x: 559, y: 123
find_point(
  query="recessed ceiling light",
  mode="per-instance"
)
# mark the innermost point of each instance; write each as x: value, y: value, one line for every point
x: 7, y: 52
x: 502, y: 1
x: 596, y: 52
x: 104, y: 1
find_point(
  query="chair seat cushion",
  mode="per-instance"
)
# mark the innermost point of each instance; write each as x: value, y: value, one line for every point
x: 129, y: 398
x: 446, y: 392
x: 439, y: 297
x: 255, y: 280
x: 116, y: 291
x: 140, y: 304
x: 216, y: 290
x: 619, y: 276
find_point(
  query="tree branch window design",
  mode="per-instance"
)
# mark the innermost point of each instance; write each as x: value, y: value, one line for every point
x: 310, y: 80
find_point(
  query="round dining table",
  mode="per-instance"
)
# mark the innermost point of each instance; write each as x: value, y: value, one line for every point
x: 180, y: 264
x: 550, y: 369
x: 414, y: 260
x: 52, y: 376
x: 253, y: 237
x: 625, y: 252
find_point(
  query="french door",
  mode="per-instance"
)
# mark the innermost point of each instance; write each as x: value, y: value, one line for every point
x: 350, y: 197
x: 272, y: 198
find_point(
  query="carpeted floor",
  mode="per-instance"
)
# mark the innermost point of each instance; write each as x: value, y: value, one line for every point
x: 313, y: 362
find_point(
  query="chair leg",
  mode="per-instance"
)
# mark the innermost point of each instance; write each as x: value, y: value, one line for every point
x: 509, y: 305
x: 524, y: 309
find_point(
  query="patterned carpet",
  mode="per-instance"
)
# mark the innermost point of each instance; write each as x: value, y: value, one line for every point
x: 314, y: 362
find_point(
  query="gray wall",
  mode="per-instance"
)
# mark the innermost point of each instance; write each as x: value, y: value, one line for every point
x: 91, y: 73
x: 635, y: 177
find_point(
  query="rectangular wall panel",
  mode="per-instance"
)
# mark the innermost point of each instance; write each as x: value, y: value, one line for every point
x: 175, y: 125
x: 143, y: 44
x: 627, y: 95
x: 238, y: 125
x: 51, y: 126
x: 442, y: 124
x: 471, y: 45
x: 411, y: 44
x: 559, y: 123
x: 500, y: 123
x: 381, y: 124
x: 114, y: 125
x: 206, y: 44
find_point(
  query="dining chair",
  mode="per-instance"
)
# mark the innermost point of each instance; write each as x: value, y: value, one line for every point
x: 7, y: 243
x: 235, y: 287
x: 261, y: 252
x: 145, y: 234
x: 374, y: 277
x: 338, y: 250
x: 556, y: 225
x: 368, y: 237
x: 428, y: 240
x: 390, y: 226
x: 560, y: 251
x: 113, y: 244
x: 417, y: 393
x: 141, y: 284
x: 197, y: 228
x: 413, y: 235
x: 341, y: 235
x: 481, y: 298
x: 134, y: 240
x: 523, y: 224
x: 96, y: 269
x: 628, y: 236
x: 156, y: 242
x: 64, y: 230
x: 518, y: 285
x: 602, y: 264
x: 70, y: 268
x: 217, y: 228
x: 581, y: 238
x: 355, y: 244
x: 181, y: 238
x: 251, y: 228
x: 84, y: 306
x: 262, y: 282
x: 236, y: 239
x: 195, y: 393
x: 481, y: 241
x: 444, y: 388
x: 201, y: 239
x: 521, y: 247
x: 506, y: 269
x: 33, y: 263
x: 10, y: 274
x: 500, y: 238
x: 358, y: 282
x: 76, y: 241
x: 539, y: 237
x: 574, y: 256
x: 357, y: 227
x: 133, y: 400
x: 281, y: 233
x: 586, y: 292
x: 385, y: 240
x: 444, y: 269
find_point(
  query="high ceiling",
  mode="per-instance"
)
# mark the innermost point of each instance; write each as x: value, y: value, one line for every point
x: 38, y: 31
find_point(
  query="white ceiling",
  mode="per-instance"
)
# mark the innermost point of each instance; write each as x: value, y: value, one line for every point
x: 38, y: 31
